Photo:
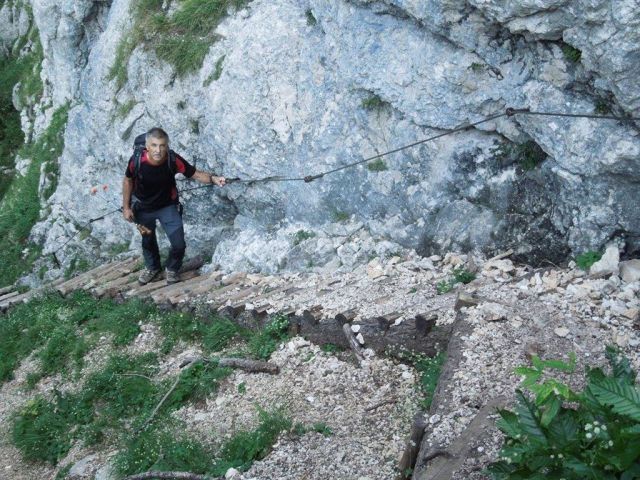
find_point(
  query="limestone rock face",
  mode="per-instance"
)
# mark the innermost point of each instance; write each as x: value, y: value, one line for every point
x: 309, y: 86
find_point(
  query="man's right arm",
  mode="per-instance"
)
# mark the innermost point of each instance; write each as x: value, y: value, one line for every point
x: 127, y: 189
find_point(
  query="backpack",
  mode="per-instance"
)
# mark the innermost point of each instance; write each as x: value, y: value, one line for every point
x: 138, y: 146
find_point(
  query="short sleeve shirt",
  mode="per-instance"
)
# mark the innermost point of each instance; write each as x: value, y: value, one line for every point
x: 155, y: 185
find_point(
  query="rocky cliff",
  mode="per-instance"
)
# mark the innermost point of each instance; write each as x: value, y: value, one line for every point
x: 298, y: 87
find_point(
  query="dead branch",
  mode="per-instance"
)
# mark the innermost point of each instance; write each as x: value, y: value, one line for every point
x: 380, y: 404
x: 249, y: 365
x: 155, y: 410
x: 252, y: 366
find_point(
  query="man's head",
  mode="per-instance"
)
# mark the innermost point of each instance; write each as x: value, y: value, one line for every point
x: 157, y: 145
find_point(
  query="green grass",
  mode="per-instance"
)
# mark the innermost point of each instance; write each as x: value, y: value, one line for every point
x: 13, y: 69
x: 331, y: 348
x: 163, y: 448
x: 302, y: 235
x: 477, y: 67
x: 247, y: 446
x: 262, y: 344
x: 217, y: 72
x: 586, y: 259
x: 116, y: 401
x: 377, y: 166
x: 570, y: 53
x: 311, y: 19
x: 429, y: 369
x: 530, y: 155
x: 458, y: 275
x: 182, y: 39
x: 21, y: 203
x: 340, y: 216
x: 374, y: 103
x: 125, y: 108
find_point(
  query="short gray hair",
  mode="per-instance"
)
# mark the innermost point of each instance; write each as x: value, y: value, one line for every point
x: 157, y: 132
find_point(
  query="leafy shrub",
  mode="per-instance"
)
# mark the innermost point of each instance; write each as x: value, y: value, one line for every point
x: 586, y: 259
x: 559, y: 433
x: 460, y: 275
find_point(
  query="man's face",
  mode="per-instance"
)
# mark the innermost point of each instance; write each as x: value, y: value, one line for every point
x: 157, y: 149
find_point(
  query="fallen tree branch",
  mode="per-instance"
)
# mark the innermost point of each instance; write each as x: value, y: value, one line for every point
x: 155, y: 410
x: 380, y: 404
x: 249, y: 365
x: 253, y: 366
x: 169, y: 476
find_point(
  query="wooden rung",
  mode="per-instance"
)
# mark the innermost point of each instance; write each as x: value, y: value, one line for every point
x: 203, y: 287
x: 347, y: 316
x: 186, y: 280
x: 116, y: 286
x: 116, y: 273
x: 72, y: 284
x: 219, y: 294
x: 8, y: 296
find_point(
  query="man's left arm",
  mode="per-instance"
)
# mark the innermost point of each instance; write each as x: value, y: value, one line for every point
x: 204, y: 177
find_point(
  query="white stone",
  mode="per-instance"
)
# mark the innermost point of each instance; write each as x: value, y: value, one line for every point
x: 630, y: 270
x: 231, y: 474
x: 609, y: 261
x: 355, y: 328
x: 561, y: 331
x: 82, y: 468
x: 360, y: 339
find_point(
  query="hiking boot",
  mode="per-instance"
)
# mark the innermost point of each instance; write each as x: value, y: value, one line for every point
x: 172, y: 277
x: 147, y: 275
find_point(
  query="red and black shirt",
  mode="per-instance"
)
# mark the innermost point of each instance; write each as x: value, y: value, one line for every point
x: 155, y: 185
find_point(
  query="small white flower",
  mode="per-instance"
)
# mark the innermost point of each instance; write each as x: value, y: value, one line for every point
x: 552, y: 457
x: 588, y: 427
x: 589, y: 436
x: 604, y: 428
x: 560, y: 455
x: 596, y: 430
x: 611, y: 443
x: 596, y: 422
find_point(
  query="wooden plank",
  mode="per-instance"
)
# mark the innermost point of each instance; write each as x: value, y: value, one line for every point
x: 122, y: 270
x: 7, y: 289
x: 186, y: 292
x: 204, y: 287
x: 77, y: 282
x: 220, y: 293
x: 8, y: 296
x: 112, y: 288
x: 187, y: 278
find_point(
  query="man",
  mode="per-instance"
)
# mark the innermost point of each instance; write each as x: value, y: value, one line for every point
x: 149, y: 193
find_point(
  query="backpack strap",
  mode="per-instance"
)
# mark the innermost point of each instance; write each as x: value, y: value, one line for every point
x: 172, y: 162
x: 138, y: 146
